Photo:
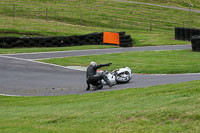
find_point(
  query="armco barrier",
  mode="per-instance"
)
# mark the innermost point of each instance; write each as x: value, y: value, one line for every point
x: 185, y: 34
x: 195, y: 43
x: 182, y: 34
x: 62, y: 41
x: 177, y: 33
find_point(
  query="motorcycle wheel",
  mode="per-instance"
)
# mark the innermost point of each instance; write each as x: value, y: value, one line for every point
x: 123, y: 78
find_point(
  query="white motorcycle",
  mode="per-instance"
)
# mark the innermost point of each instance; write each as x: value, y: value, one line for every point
x: 118, y: 76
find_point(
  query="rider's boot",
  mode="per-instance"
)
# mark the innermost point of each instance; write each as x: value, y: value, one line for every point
x: 107, y: 81
x: 88, y: 86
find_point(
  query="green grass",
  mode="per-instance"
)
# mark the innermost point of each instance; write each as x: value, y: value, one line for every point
x: 155, y: 38
x: 140, y: 37
x: 166, y: 108
x: 99, y: 13
x: 97, y: 16
x: 52, y: 49
x: 177, y: 3
x: 156, y: 62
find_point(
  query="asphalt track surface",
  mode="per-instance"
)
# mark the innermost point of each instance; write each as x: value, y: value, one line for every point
x: 21, y: 75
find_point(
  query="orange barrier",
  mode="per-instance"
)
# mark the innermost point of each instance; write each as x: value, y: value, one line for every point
x: 111, y: 37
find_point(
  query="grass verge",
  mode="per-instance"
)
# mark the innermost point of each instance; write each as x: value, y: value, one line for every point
x: 65, y: 17
x: 156, y: 62
x: 165, y: 108
x: 53, y: 49
x: 140, y: 37
x: 177, y: 3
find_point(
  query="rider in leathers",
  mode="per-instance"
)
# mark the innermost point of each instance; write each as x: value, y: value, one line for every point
x: 93, y: 78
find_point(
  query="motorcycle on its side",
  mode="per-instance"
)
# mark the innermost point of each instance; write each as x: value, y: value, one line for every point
x: 118, y: 76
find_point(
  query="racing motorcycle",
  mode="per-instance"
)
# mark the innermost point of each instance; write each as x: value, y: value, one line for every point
x: 118, y: 76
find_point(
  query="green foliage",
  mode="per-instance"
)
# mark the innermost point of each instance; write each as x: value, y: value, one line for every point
x: 178, y: 3
x: 166, y: 108
x: 64, y: 18
x: 176, y: 61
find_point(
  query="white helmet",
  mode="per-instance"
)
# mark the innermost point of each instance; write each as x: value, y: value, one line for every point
x: 93, y: 63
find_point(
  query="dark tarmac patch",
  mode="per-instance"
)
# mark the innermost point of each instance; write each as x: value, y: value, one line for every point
x: 29, y: 78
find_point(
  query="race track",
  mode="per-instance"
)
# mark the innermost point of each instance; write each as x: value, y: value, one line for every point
x: 21, y: 75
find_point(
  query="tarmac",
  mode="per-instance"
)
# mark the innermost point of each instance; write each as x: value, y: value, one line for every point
x: 23, y: 75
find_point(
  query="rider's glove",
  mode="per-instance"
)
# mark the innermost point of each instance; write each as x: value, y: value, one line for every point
x: 109, y: 64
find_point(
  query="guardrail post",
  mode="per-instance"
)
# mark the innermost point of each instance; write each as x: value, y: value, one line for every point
x: 81, y: 19
x: 46, y: 14
x: 14, y: 10
x: 150, y: 25
x: 115, y: 26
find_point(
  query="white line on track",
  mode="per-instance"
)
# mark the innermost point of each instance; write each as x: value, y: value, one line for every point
x: 70, y: 56
x: 70, y: 67
x: 70, y: 51
x: 79, y: 69
x: 11, y: 95
x: 84, y: 54
x: 44, y: 63
x: 184, y: 74
x: 95, y: 54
